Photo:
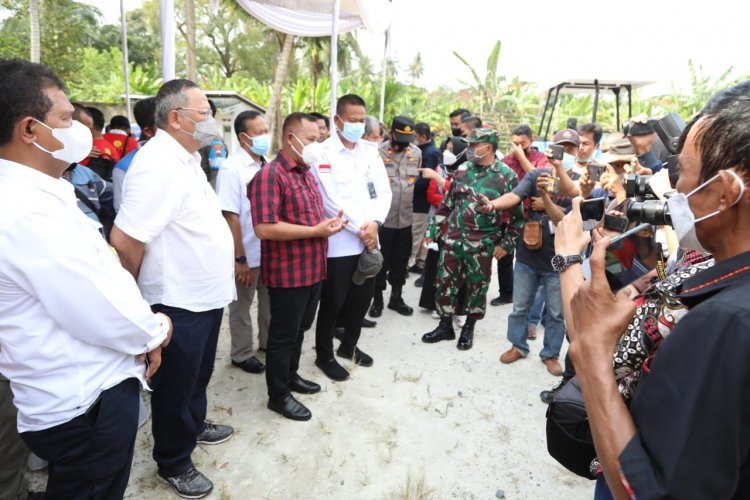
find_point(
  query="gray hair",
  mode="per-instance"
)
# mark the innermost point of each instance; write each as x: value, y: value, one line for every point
x: 171, y: 96
x: 370, y: 123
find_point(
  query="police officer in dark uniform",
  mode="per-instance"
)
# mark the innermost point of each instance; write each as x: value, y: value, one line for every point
x: 402, y: 160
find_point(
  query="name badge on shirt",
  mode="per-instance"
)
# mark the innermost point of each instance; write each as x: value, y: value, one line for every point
x: 371, y: 190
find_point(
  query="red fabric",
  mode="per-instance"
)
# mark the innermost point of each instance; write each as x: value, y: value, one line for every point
x: 285, y: 192
x: 106, y: 149
x: 535, y: 157
x: 434, y: 196
x: 119, y: 140
x: 626, y: 253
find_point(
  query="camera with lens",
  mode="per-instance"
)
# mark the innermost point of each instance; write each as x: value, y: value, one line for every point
x: 645, y: 206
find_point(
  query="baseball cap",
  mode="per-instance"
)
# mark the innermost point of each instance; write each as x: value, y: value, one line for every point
x: 567, y: 136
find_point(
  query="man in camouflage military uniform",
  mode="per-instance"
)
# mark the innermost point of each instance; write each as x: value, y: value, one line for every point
x: 402, y: 161
x: 472, y: 238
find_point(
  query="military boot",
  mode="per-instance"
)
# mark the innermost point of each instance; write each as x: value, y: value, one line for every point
x: 444, y: 331
x: 466, y: 340
x: 376, y: 309
x: 396, y: 303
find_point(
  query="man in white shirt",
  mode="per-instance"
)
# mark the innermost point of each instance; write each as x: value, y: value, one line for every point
x: 74, y: 329
x: 171, y: 236
x: 231, y: 187
x: 351, y: 177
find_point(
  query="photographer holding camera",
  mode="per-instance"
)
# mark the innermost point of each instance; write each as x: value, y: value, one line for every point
x: 687, y: 431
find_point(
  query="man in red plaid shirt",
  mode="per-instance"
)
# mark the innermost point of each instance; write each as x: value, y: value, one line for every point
x: 288, y: 217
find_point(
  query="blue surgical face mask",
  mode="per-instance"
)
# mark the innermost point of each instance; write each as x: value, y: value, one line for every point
x: 568, y: 161
x: 353, y: 131
x: 261, y: 144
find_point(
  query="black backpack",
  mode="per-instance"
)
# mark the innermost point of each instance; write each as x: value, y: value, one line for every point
x: 103, y: 165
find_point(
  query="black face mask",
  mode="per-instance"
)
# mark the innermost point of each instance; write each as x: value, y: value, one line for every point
x: 400, y: 146
x: 456, y: 132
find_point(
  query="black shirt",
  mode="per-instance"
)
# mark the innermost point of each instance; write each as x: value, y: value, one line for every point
x: 430, y: 159
x: 540, y: 259
x: 692, y: 410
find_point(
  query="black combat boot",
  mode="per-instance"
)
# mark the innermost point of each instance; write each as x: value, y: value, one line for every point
x: 444, y: 331
x: 396, y: 303
x: 376, y: 309
x: 466, y: 340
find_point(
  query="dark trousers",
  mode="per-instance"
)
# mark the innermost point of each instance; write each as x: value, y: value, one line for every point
x: 13, y: 451
x: 505, y: 275
x: 178, y: 403
x: 395, y: 245
x: 90, y: 456
x: 339, y: 295
x: 292, y: 313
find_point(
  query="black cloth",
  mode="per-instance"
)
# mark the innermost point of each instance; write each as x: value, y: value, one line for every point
x: 179, y: 403
x: 90, y: 456
x: 395, y: 245
x: 538, y: 259
x: 340, y: 296
x: 505, y: 275
x: 431, y: 158
x: 13, y: 450
x: 292, y: 313
x: 692, y: 410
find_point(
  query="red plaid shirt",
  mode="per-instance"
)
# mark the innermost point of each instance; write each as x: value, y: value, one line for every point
x: 285, y: 192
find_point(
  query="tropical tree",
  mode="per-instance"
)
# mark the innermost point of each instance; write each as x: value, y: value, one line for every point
x: 273, y: 114
x: 416, y: 68
x: 34, y: 30
x: 188, y: 32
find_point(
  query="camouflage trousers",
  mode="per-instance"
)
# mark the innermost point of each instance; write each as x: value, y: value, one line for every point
x: 463, y: 262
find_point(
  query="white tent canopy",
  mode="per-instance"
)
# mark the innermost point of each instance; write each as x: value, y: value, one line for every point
x: 321, y: 18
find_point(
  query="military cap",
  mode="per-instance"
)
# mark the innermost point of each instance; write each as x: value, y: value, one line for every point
x: 482, y: 135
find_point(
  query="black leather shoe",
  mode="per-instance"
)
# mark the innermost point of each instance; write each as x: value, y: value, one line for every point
x: 466, y: 340
x: 376, y: 309
x: 400, y: 307
x: 366, y: 323
x: 290, y: 408
x: 444, y: 331
x: 415, y: 269
x: 419, y: 282
x: 501, y: 299
x: 189, y: 484
x: 250, y: 365
x: 302, y: 386
x: 548, y: 396
x: 332, y: 369
x: 359, y: 357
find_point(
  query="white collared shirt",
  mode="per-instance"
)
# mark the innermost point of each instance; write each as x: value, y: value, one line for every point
x: 231, y: 188
x: 345, y: 179
x: 168, y: 204
x: 71, y: 318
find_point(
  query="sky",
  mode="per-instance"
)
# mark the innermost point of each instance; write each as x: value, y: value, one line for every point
x: 547, y: 42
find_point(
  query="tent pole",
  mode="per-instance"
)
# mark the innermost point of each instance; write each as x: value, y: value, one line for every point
x: 167, y: 39
x: 125, y: 66
x: 334, y: 56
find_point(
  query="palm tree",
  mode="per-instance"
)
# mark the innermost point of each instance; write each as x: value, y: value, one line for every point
x: 273, y: 111
x: 35, y: 38
x: 416, y: 69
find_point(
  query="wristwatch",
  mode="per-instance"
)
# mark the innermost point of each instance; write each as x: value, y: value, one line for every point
x: 561, y: 262
x: 241, y: 259
x: 380, y: 224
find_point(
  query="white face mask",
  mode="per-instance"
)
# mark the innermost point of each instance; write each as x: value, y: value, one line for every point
x: 449, y: 158
x: 205, y: 131
x: 77, y: 142
x: 310, y: 153
x: 683, y: 218
x: 568, y: 161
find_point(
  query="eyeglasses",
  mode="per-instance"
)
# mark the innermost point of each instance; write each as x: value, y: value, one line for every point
x: 205, y: 113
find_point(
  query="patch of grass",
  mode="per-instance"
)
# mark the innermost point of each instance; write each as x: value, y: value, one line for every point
x: 413, y: 489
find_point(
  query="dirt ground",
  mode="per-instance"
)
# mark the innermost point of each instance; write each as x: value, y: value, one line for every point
x: 425, y: 422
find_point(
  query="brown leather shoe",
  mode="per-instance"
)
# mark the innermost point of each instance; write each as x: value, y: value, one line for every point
x: 511, y: 356
x: 553, y: 366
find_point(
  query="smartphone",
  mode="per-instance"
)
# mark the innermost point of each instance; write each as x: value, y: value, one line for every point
x: 592, y: 212
x: 553, y: 185
x: 556, y: 151
x: 615, y: 223
x: 595, y: 171
x: 631, y: 232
